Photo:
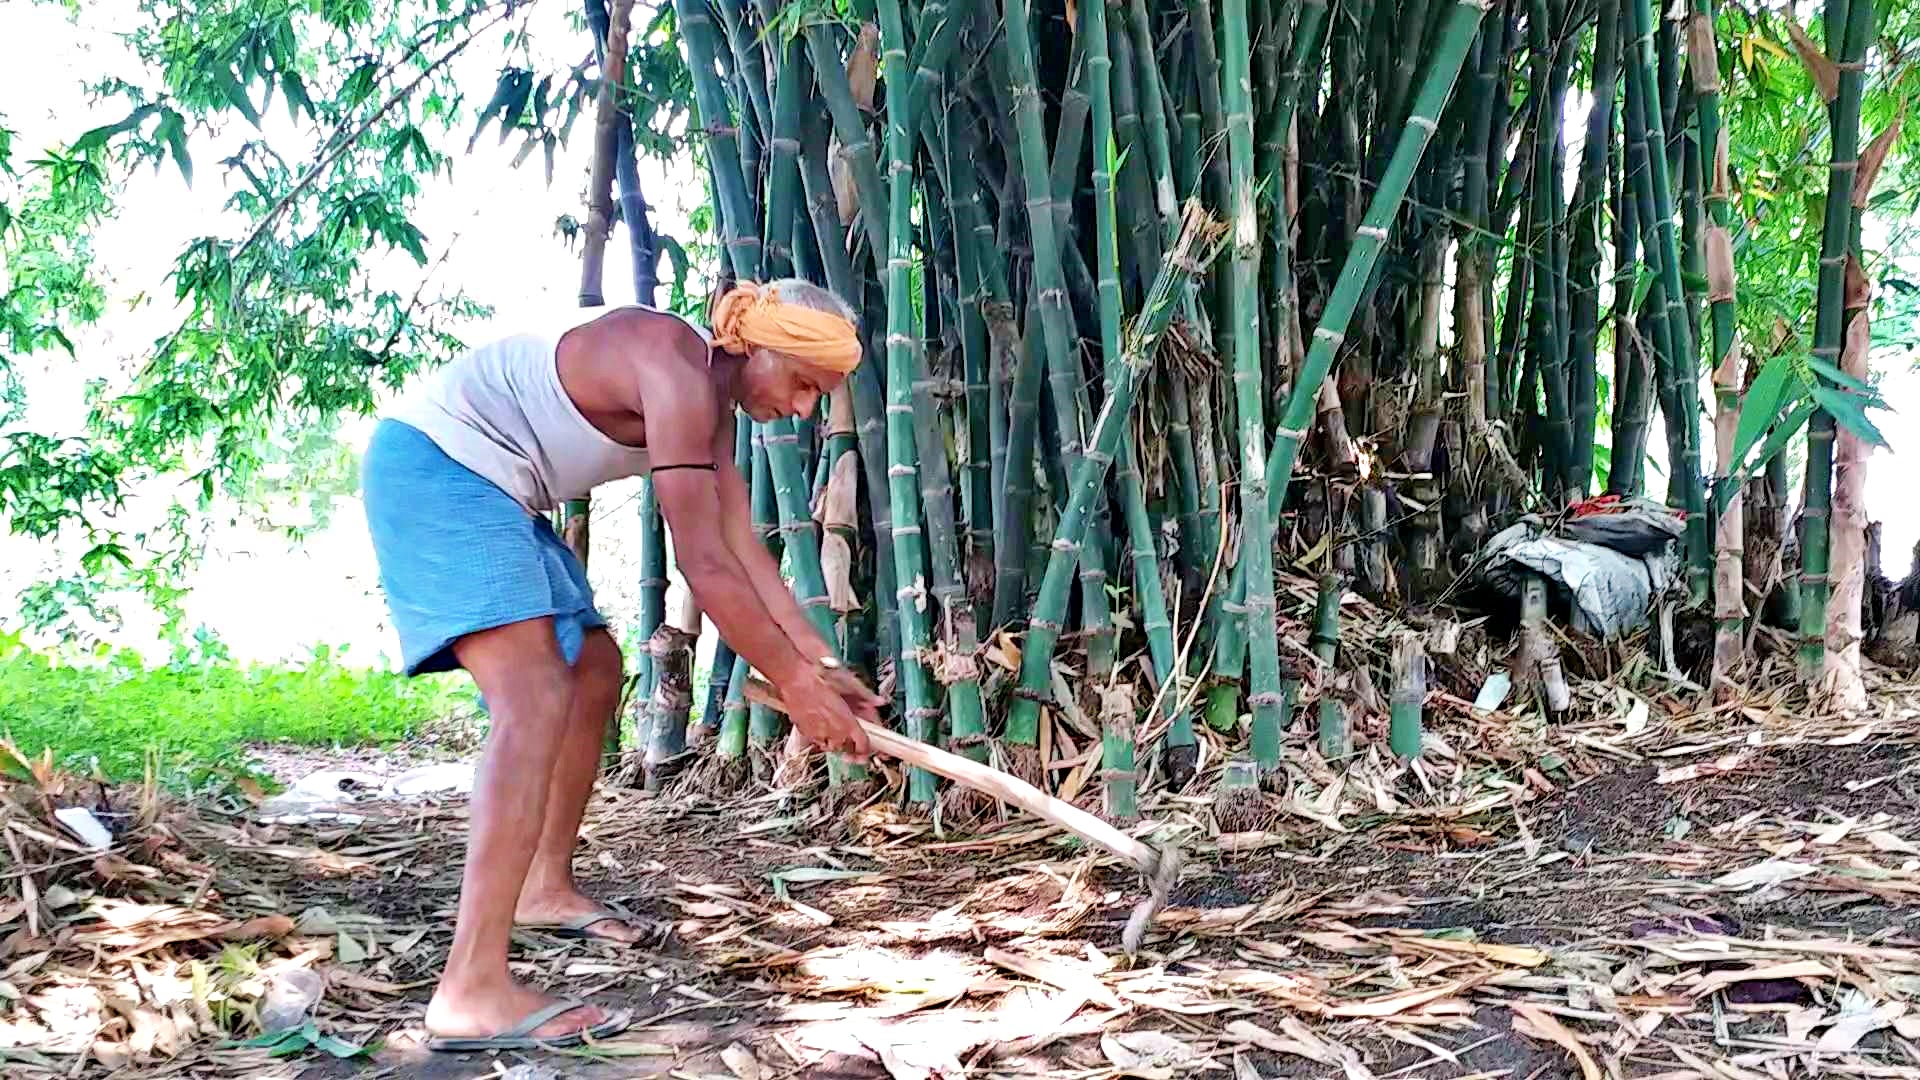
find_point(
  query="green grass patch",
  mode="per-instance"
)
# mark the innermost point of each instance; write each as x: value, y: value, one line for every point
x: 107, y: 715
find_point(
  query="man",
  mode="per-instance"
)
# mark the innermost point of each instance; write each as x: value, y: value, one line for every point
x: 456, y: 484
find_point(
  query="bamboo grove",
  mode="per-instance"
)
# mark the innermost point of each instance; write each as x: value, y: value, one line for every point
x: 1158, y: 296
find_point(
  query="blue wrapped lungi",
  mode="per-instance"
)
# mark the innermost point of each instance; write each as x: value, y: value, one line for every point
x: 458, y: 555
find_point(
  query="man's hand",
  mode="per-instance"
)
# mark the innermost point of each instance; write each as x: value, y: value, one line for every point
x: 862, y: 700
x: 824, y: 714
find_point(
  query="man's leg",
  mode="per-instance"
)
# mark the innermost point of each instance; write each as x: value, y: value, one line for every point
x: 529, y: 692
x: 550, y: 895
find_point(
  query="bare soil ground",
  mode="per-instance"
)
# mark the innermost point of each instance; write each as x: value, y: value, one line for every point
x: 1674, y: 894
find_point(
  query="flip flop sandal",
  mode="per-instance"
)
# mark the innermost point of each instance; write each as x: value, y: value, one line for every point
x: 575, y: 928
x: 520, y: 1036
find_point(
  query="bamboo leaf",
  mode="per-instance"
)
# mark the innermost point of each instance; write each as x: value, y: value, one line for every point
x: 173, y: 129
x: 1642, y: 285
x: 1760, y: 41
x: 1834, y: 374
x: 1776, y: 440
x: 97, y: 137
x: 295, y: 91
x: 1848, y: 412
x: 1775, y: 388
x: 359, y: 86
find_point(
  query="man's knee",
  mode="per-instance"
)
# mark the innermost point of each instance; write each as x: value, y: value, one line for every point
x: 520, y: 673
x: 600, y: 666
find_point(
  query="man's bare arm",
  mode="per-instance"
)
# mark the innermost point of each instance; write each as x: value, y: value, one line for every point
x: 685, y: 433
x: 737, y: 526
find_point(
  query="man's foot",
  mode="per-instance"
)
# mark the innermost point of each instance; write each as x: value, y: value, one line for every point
x: 569, y: 910
x: 490, y: 1011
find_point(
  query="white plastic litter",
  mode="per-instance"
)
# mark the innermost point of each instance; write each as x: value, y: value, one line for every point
x: 290, y: 999
x: 446, y: 778
x: 81, y: 822
x: 1611, y: 565
x: 318, y: 796
x: 329, y: 795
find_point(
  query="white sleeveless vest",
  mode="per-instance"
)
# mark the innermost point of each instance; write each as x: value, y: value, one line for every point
x: 499, y: 409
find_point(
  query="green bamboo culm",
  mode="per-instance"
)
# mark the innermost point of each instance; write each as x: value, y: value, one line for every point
x: 1117, y: 737
x: 797, y: 537
x: 1456, y: 38
x: 860, y: 393
x: 1852, y: 20
x: 766, y: 726
x: 909, y: 548
x: 1684, y: 364
x: 722, y: 137
x: 1409, y: 696
x: 653, y: 581
x: 718, y: 705
x: 856, y: 146
x: 1256, y: 543
x: 958, y: 670
x: 1050, y: 299
x: 732, y: 745
x: 1336, y: 742
x: 1350, y: 289
x: 1119, y: 751
x: 1195, y: 248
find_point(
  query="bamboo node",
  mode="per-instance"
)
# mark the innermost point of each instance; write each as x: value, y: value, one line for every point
x: 1416, y: 120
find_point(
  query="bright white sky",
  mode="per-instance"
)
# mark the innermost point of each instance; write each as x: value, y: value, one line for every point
x: 268, y: 599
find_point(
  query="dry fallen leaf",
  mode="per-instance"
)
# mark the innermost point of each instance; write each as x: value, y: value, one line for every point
x: 1770, y: 872
x: 1531, y: 1020
x: 1402, y: 1001
x: 1267, y: 1040
x: 1886, y: 841
x: 1857, y: 1017
x: 1149, y: 1054
x: 1510, y: 955
x: 741, y: 1061
x: 1725, y: 763
x: 1801, y: 1022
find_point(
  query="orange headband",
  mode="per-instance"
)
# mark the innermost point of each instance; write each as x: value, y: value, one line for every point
x: 750, y: 316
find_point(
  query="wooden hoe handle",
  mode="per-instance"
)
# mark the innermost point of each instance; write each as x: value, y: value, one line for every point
x: 964, y: 770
